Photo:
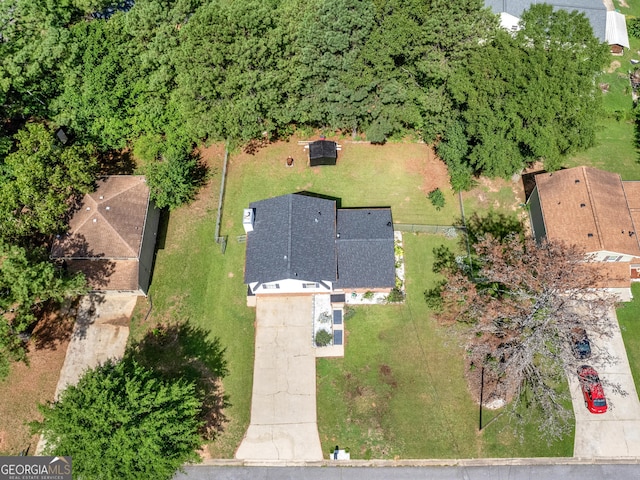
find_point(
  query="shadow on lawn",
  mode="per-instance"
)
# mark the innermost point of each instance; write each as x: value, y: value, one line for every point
x: 183, y: 351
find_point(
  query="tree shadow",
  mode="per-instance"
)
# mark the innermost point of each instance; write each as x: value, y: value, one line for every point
x: 496, y: 224
x: 115, y: 162
x: 183, y: 351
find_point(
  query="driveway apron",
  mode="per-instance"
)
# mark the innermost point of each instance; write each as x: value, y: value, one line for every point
x: 615, y: 433
x: 283, y: 408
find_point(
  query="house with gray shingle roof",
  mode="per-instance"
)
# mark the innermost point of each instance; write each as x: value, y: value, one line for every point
x: 596, y: 211
x: 298, y: 243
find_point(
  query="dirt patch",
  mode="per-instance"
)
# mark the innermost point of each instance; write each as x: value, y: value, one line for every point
x: 432, y: 169
x: 613, y: 66
x: 32, y: 383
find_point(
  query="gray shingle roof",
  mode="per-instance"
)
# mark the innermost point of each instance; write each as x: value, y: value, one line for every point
x: 594, y: 10
x: 365, y: 248
x: 293, y: 237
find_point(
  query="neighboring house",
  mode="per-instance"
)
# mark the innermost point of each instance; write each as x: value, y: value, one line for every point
x: 608, y: 26
x: 304, y: 244
x: 112, y: 236
x: 596, y: 211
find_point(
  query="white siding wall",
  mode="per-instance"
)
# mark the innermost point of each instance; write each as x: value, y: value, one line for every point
x: 289, y: 285
x: 605, y: 256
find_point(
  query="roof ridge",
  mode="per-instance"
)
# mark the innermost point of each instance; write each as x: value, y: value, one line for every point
x: 83, y: 203
x: 120, y: 192
x: 118, y: 234
x: 592, y: 206
x: 635, y: 230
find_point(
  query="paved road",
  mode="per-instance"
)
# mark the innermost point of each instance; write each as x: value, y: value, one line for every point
x: 495, y: 472
x: 283, y: 404
x: 615, y: 433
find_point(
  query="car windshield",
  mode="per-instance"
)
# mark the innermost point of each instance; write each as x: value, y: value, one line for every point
x: 600, y: 402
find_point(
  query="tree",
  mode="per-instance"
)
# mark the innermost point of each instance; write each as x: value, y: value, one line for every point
x: 28, y: 280
x: 529, y: 96
x: 174, y: 177
x: 122, y: 421
x: 519, y: 314
x: 39, y: 182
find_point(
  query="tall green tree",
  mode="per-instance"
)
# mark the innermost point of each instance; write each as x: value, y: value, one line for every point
x: 531, y: 95
x: 39, y: 182
x: 122, y: 421
x: 28, y: 281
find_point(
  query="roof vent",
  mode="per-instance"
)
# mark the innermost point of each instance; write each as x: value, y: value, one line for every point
x: 582, y: 205
x: 107, y: 208
x: 315, y: 220
x: 95, y: 220
x: 101, y: 197
x: 577, y: 181
x: 88, y: 208
x: 589, y: 235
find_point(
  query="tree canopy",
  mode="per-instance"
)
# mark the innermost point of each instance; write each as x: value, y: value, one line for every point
x: 123, y: 421
x: 519, y: 307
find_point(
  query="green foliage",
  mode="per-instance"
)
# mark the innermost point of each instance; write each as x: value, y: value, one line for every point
x: 40, y: 180
x: 436, y: 197
x: 323, y: 338
x: 368, y: 295
x: 28, y: 280
x: 174, y: 179
x: 122, y: 421
x: 633, y: 27
x: 530, y: 96
x: 395, y: 296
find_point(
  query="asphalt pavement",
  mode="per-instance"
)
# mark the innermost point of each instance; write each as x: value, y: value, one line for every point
x: 460, y: 472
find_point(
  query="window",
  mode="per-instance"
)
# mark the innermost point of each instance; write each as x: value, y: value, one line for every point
x: 613, y: 258
x: 310, y: 285
x: 268, y: 286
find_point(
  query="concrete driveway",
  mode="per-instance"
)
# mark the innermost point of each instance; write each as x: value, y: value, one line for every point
x: 283, y: 406
x: 100, y: 333
x: 615, y: 433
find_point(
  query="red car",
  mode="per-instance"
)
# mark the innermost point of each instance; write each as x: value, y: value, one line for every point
x: 592, y: 389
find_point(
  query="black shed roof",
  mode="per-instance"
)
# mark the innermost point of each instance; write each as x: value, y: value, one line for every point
x: 323, y: 152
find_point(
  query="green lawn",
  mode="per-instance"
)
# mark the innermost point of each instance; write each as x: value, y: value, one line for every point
x: 615, y: 150
x: 629, y: 319
x: 400, y: 390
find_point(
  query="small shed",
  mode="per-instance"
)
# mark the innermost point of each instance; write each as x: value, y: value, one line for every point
x: 323, y: 152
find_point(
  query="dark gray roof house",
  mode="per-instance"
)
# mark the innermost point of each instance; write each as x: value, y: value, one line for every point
x: 300, y: 243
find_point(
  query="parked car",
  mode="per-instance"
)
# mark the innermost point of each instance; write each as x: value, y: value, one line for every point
x: 592, y: 389
x: 580, y: 343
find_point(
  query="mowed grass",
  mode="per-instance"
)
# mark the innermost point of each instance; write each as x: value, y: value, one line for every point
x: 400, y: 391
x: 194, y: 281
x: 393, y: 175
x: 615, y: 149
x: 629, y: 318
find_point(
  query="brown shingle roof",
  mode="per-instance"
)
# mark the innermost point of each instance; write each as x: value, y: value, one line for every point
x: 587, y: 207
x: 109, y: 222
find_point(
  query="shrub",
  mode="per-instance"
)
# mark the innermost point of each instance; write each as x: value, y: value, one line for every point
x: 633, y: 27
x: 436, y: 197
x: 348, y: 312
x: 323, y: 338
x: 395, y: 296
x: 368, y: 295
